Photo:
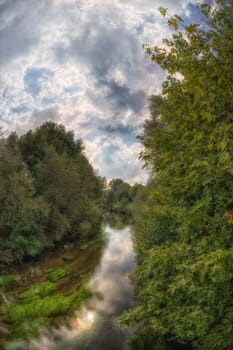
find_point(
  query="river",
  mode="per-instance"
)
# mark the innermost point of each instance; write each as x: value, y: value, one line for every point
x: 94, y: 325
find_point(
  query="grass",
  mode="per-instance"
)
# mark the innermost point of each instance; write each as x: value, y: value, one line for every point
x: 47, y: 306
x: 6, y: 280
x: 57, y: 273
x: 68, y: 258
x: 98, y: 238
x: 40, y: 290
x: 84, y: 246
x: 36, y: 307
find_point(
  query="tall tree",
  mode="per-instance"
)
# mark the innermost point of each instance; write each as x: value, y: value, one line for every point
x: 65, y: 178
x: 184, y: 278
x: 22, y: 215
x: 48, y: 191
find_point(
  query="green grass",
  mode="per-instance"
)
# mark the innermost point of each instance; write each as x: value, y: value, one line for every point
x: 98, y: 238
x: 56, y: 274
x: 84, y: 246
x: 6, y: 280
x: 68, y: 258
x: 39, y: 290
x: 47, y: 306
x: 36, y: 307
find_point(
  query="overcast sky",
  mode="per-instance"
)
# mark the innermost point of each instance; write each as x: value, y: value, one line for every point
x: 81, y: 63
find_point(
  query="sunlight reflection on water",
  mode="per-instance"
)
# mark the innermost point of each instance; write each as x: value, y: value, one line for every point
x: 84, y: 320
x: 94, y: 326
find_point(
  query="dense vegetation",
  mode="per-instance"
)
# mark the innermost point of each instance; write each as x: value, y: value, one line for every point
x: 184, y: 243
x: 119, y: 196
x: 48, y: 192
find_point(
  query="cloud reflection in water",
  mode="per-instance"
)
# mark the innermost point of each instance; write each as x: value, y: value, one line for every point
x: 95, y: 326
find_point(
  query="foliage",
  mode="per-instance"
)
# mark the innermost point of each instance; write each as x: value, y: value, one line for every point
x: 21, y: 214
x: 143, y: 340
x: 48, y: 191
x: 184, y: 278
x: 118, y: 221
x: 119, y: 196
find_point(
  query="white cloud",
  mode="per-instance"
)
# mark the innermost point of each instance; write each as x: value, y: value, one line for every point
x: 116, y: 159
x: 99, y: 77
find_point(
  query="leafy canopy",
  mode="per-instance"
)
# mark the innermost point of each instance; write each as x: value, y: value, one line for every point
x: 184, y: 278
x: 48, y: 191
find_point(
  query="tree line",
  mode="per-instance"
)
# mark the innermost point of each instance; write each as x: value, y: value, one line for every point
x: 121, y: 197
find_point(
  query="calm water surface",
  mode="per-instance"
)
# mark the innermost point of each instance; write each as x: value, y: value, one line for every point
x: 94, y: 326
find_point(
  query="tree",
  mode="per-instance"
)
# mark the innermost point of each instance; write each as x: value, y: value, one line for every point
x: 22, y: 215
x: 65, y: 178
x: 33, y: 145
x: 48, y: 191
x: 184, y: 278
x: 119, y: 196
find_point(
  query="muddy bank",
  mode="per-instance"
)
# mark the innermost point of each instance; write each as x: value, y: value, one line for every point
x: 59, y: 276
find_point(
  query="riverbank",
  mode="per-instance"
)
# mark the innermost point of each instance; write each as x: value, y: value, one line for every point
x: 73, y: 295
x: 45, y: 292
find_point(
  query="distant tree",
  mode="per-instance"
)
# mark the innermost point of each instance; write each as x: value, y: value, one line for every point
x: 120, y: 197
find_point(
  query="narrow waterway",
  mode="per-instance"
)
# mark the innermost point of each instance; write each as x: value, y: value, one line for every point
x: 94, y: 325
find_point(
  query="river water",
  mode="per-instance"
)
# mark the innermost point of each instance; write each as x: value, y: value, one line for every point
x: 94, y: 326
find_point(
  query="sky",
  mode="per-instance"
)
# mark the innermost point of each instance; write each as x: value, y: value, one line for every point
x: 80, y: 63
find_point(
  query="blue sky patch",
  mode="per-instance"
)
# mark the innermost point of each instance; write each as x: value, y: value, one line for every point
x: 20, y: 109
x: 46, y: 101
x: 139, y: 29
x: 150, y: 19
x: 34, y: 78
x: 72, y: 89
x: 197, y: 16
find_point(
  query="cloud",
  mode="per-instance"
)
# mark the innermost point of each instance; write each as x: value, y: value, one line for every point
x: 144, y: 6
x: 116, y: 159
x: 81, y: 63
x: 123, y: 97
x: 118, y: 129
x: 35, y: 119
x: 18, y: 29
x: 105, y: 47
x: 113, y: 126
